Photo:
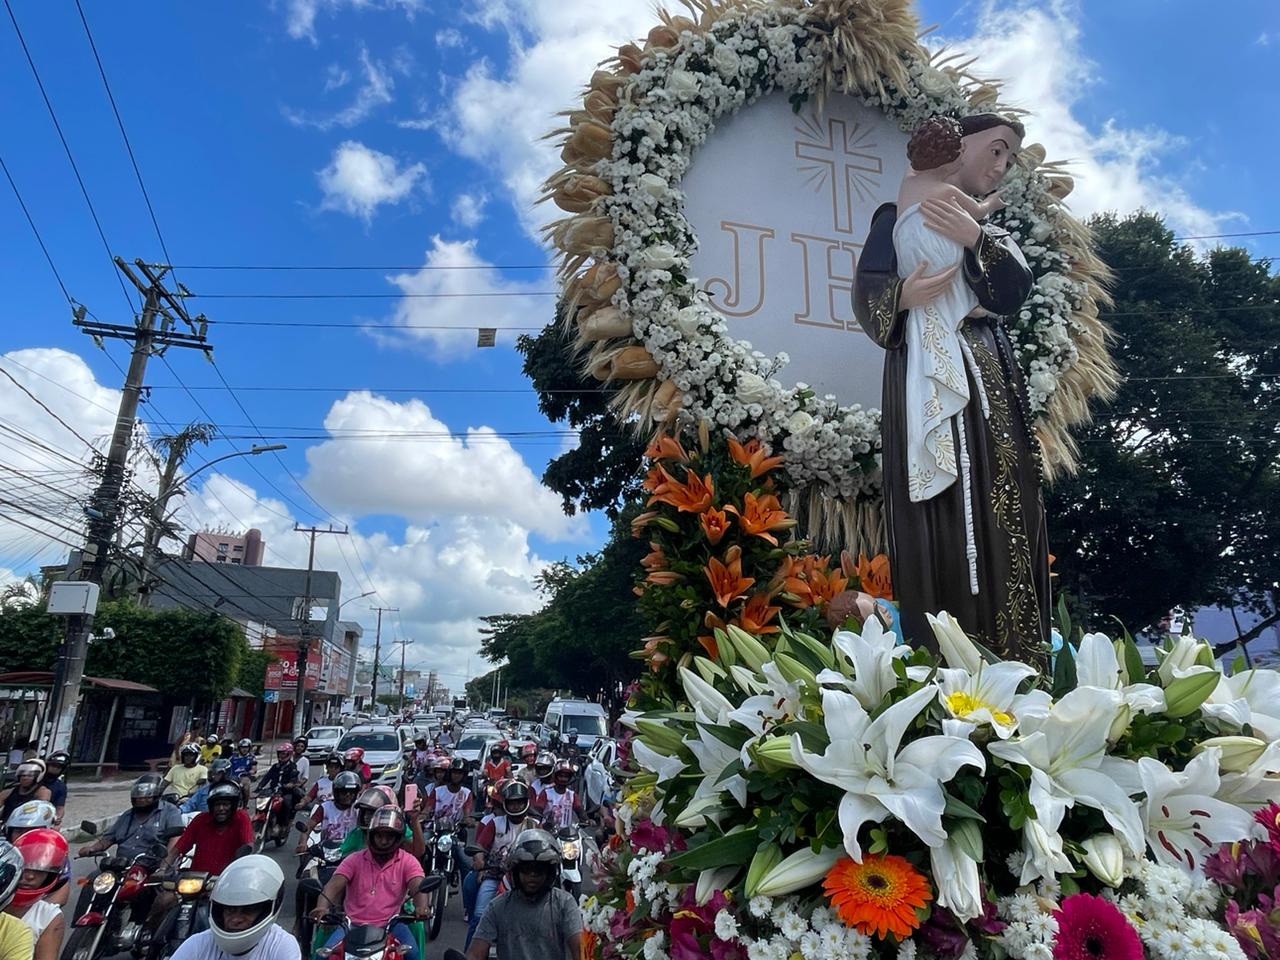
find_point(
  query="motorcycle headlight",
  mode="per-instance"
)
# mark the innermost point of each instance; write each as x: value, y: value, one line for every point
x: 444, y: 844
x: 190, y: 886
x: 333, y: 856
x: 103, y: 882
x: 569, y: 850
x: 264, y: 803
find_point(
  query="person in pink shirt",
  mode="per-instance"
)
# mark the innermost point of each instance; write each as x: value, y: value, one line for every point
x: 371, y: 885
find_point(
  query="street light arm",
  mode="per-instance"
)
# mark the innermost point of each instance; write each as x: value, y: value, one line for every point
x: 251, y: 452
x: 367, y: 593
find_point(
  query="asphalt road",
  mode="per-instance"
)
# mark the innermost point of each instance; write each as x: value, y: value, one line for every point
x: 452, y: 933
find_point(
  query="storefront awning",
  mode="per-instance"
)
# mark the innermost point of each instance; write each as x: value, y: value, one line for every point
x: 44, y: 678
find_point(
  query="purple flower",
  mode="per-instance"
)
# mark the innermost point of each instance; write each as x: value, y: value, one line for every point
x: 1226, y: 866
x: 1257, y: 936
x: 990, y: 922
x: 646, y: 835
x: 943, y: 934
x: 728, y: 950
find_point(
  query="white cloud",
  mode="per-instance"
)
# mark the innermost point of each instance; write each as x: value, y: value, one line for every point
x: 1037, y: 50
x: 467, y: 209
x: 435, y: 303
x: 375, y: 91
x: 359, y: 179
x: 449, y: 37
x: 300, y: 15
x: 399, y: 458
x: 497, y: 118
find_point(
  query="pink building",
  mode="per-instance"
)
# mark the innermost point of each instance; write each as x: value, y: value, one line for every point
x: 222, y: 546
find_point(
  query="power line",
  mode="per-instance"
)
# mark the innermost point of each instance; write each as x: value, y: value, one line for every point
x: 393, y: 268
x: 67, y: 149
x: 388, y: 295
x: 31, y: 222
x: 41, y: 404
x: 370, y: 325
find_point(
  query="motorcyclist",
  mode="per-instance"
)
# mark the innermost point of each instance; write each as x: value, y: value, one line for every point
x: 55, y: 765
x: 372, y: 885
x: 322, y: 789
x: 353, y: 759
x: 421, y: 757
x: 559, y: 804
x: 452, y: 803
x: 498, y: 765
x: 569, y: 749
x: 242, y: 912
x: 217, y: 835
x: 198, y: 802
x: 300, y: 758
x: 211, y: 749
x: 44, y: 876
x: 542, y: 768
x: 496, y: 834
x: 28, y: 818
x: 141, y: 831
x: 28, y: 787
x: 370, y: 802
x: 189, y: 773
x: 282, y: 776
x: 15, y: 936
x: 534, y: 909
x: 439, y: 774
x: 528, y: 757
x: 335, y: 817
x: 244, y: 765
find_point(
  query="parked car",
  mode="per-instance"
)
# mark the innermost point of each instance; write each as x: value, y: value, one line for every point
x: 473, y: 746
x: 322, y: 741
x: 588, y: 720
x: 597, y: 777
x: 384, y: 747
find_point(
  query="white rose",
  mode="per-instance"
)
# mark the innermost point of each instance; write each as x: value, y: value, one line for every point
x: 752, y: 388
x: 656, y: 129
x: 799, y: 423
x: 726, y: 61
x: 683, y: 84
x: 654, y: 186
x: 660, y: 256
x: 934, y: 83
x: 1041, y: 230
x: 687, y: 320
x: 1042, y: 382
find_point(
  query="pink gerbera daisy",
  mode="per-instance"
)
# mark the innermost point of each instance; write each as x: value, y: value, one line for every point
x: 1091, y: 928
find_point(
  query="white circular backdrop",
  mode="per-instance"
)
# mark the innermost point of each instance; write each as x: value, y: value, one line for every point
x: 781, y: 203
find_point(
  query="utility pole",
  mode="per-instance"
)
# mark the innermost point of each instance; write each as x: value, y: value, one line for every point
x: 152, y: 332
x: 403, y: 644
x: 377, y: 653
x: 304, y: 640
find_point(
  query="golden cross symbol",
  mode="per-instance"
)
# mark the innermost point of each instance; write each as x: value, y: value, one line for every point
x: 842, y: 156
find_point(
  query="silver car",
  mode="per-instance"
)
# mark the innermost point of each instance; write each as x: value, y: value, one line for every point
x: 384, y: 747
x: 322, y: 741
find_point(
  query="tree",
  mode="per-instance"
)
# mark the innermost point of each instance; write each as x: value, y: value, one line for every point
x: 1173, y: 501
x: 603, y: 471
x: 582, y: 640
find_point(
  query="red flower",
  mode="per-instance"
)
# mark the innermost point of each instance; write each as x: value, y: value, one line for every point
x: 1091, y: 928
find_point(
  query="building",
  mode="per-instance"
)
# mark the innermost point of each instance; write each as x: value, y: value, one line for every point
x: 222, y: 546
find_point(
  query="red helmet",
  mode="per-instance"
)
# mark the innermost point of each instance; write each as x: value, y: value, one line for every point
x: 285, y: 750
x: 503, y: 745
x: 355, y: 753
x: 44, y: 850
x: 529, y: 752
x: 440, y: 763
x: 562, y: 768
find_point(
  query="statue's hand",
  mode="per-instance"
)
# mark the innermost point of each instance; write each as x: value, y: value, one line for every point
x: 945, y: 217
x: 919, y: 290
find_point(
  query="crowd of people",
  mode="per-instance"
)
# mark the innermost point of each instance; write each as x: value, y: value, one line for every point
x: 197, y: 814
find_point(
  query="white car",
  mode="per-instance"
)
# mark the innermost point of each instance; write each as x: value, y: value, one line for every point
x: 384, y: 747
x: 597, y: 778
x: 322, y: 741
x: 473, y: 746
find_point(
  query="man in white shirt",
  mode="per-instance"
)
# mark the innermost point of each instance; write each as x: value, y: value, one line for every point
x: 245, y: 904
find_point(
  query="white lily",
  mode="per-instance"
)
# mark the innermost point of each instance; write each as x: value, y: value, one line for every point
x: 1186, y: 656
x: 1250, y: 696
x: 879, y: 779
x: 777, y: 701
x: 985, y: 696
x: 1066, y: 751
x: 698, y: 811
x: 1042, y: 844
x: 871, y: 655
x: 1184, y: 819
x: 713, y: 755
x: 709, y: 704
x: 1258, y: 785
x: 801, y: 869
x: 1098, y: 666
x: 747, y: 680
x: 709, y: 881
x: 956, y: 875
x: 957, y: 649
x: 666, y: 767
x: 1104, y: 858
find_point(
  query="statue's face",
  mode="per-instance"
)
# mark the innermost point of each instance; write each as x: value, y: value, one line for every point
x: 985, y: 159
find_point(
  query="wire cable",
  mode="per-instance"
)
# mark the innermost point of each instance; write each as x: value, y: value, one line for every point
x: 39, y: 239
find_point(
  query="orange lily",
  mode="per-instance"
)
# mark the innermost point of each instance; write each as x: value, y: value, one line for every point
x: 812, y: 583
x: 664, y: 578
x: 654, y: 654
x: 715, y: 524
x: 641, y: 521
x: 655, y: 559
x: 757, y: 614
x: 692, y: 496
x: 873, y: 576
x: 655, y: 478
x: 663, y: 447
x: 761, y: 514
x: 752, y: 454
x: 709, y: 644
x: 726, y: 579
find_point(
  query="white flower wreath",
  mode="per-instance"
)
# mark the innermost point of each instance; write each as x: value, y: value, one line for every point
x: 667, y: 106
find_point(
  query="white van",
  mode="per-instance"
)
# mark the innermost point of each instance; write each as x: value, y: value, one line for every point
x: 588, y: 720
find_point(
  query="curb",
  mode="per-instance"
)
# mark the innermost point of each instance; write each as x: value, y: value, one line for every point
x: 76, y: 835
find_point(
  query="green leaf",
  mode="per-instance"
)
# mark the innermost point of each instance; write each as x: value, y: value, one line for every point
x: 1064, y: 618
x: 1133, y: 664
x: 960, y: 809
x: 968, y: 837
x: 731, y: 736
x: 733, y: 849
x: 812, y: 735
x: 1064, y: 671
x: 731, y: 770
x: 879, y: 840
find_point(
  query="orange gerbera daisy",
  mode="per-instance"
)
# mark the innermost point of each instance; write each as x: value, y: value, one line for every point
x: 752, y: 454
x: 715, y: 524
x: 761, y: 514
x: 878, y: 896
x: 726, y: 579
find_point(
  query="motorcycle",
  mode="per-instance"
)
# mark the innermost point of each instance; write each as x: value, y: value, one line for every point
x: 368, y: 942
x: 188, y: 916
x: 315, y: 868
x: 113, y: 919
x: 571, y: 851
x: 268, y: 821
x: 441, y: 863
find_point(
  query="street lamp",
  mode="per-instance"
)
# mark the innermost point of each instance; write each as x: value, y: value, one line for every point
x: 367, y: 593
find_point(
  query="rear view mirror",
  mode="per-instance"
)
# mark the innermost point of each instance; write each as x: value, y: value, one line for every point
x: 302, y: 824
x: 430, y: 884
x: 173, y: 832
x: 89, y: 827
x: 244, y: 850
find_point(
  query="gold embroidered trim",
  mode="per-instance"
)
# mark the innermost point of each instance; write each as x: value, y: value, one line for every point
x: 884, y: 310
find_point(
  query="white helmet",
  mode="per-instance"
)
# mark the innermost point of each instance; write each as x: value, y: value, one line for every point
x: 11, y: 867
x: 249, y: 881
x: 32, y: 814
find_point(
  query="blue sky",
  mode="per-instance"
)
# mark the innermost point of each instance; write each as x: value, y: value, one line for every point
x: 401, y: 132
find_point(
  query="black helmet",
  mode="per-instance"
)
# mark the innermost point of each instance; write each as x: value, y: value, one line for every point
x: 244, y: 743
x: 458, y: 763
x: 149, y: 786
x: 189, y: 749
x: 334, y: 759
x: 533, y: 846
x: 370, y: 802
x: 224, y: 791
x: 60, y: 757
x: 346, y: 780
x: 218, y: 770
x: 515, y: 794
x: 390, y: 818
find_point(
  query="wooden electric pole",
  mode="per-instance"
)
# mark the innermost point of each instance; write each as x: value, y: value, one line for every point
x: 377, y: 655
x: 304, y: 618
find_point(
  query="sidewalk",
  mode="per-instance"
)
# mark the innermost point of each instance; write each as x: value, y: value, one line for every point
x: 100, y: 802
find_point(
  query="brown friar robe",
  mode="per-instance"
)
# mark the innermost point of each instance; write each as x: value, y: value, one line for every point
x: 1010, y: 612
